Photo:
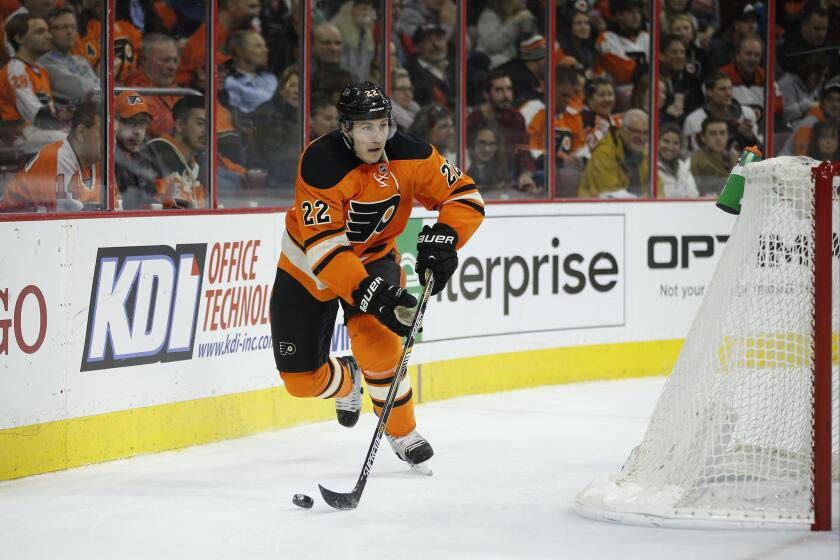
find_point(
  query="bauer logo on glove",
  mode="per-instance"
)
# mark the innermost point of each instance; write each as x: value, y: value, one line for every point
x: 436, y: 252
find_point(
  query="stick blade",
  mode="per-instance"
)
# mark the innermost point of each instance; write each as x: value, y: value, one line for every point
x: 338, y: 500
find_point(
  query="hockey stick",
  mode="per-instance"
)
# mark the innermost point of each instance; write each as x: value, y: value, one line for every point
x: 350, y: 500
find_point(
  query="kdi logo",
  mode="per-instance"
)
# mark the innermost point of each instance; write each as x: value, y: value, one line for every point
x: 143, y: 305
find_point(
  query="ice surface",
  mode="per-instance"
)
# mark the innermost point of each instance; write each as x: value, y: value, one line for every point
x: 507, y: 468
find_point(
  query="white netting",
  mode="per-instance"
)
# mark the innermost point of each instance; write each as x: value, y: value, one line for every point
x: 730, y: 438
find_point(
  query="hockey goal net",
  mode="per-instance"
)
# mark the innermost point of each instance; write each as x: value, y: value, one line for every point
x: 734, y: 440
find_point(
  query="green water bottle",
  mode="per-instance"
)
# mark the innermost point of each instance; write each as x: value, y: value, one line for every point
x: 733, y: 191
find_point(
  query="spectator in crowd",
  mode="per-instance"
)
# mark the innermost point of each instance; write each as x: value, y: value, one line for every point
x: 355, y: 21
x: 569, y: 139
x: 25, y: 94
x: 323, y: 116
x: 158, y: 67
x: 282, y: 35
x: 527, y: 71
x: 401, y: 41
x: 174, y: 157
x: 248, y: 85
x: 712, y: 162
x: 618, y: 167
x: 430, y: 69
x: 577, y: 42
x: 825, y: 142
x: 417, y: 13
x: 276, y: 140
x: 488, y: 167
x: 327, y: 48
x: 63, y: 176
x: 684, y: 90
x: 675, y: 178
x: 723, y: 47
x: 624, y: 46
x: 435, y: 125
x: 404, y: 107
x: 720, y: 104
x: 670, y: 9
x: 39, y: 8
x: 748, y: 77
x: 801, y: 87
x: 127, y: 40
x: 828, y: 110
x: 498, y: 107
x: 500, y: 26
x: 809, y: 40
x: 597, y: 116
x: 330, y: 82
x: 132, y: 169
x: 233, y: 16
x: 71, y: 76
x: 696, y: 46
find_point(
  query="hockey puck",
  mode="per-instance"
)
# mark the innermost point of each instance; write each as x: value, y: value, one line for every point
x: 302, y: 500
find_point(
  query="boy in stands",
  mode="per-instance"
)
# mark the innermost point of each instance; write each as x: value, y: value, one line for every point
x: 353, y: 196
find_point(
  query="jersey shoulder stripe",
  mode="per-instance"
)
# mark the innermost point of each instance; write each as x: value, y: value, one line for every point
x: 327, y: 161
x: 404, y: 146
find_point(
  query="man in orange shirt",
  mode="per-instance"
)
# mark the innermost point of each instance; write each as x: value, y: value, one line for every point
x: 233, y: 16
x: 158, y: 64
x: 353, y: 197
x: 25, y: 93
x: 64, y: 175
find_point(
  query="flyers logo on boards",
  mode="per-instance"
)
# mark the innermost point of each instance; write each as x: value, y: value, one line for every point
x: 367, y: 218
x: 143, y: 305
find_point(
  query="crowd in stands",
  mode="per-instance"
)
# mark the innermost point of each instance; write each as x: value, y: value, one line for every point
x: 710, y: 103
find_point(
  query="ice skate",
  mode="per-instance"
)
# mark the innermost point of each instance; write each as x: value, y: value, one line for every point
x: 347, y: 408
x: 414, y: 450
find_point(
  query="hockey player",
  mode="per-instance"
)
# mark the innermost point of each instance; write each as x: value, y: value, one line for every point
x: 353, y: 196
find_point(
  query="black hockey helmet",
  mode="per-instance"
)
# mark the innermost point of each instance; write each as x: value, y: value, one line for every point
x: 363, y: 101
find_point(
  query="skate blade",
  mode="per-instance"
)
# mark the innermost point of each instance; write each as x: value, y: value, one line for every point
x: 423, y: 468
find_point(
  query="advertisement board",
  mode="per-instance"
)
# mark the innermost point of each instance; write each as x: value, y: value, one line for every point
x: 103, y: 315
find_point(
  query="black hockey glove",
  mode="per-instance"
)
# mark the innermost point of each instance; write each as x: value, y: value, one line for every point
x: 388, y: 303
x: 436, y: 252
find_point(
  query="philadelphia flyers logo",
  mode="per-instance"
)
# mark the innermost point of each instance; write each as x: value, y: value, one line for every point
x: 368, y: 218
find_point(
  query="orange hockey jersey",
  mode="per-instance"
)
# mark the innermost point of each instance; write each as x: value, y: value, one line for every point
x: 348, y: 213
x: 54, y: 179
x: 127, y: 39
x: 24, y: 90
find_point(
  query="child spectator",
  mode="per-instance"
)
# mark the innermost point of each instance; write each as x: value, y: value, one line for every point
x: 500, y: 26
x: 323, y: 116
x: 712, y: 162
x: 675, y: 178
x: 825, y: 142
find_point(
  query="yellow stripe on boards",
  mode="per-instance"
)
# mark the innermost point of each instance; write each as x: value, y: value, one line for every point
x: 82, y: 441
